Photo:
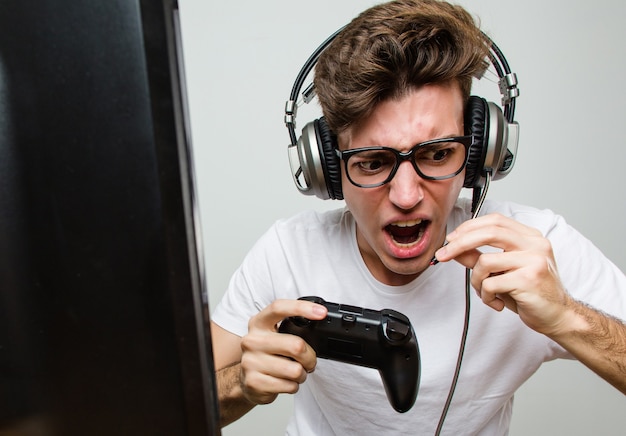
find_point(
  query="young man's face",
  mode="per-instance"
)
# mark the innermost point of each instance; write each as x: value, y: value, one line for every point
x: 383, y: 213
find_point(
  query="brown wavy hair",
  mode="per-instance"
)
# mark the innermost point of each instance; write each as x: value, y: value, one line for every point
x: 393, y: 48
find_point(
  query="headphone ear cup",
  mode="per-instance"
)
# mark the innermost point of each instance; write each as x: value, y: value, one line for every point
x: 477, y: 125
x: 331, y: 165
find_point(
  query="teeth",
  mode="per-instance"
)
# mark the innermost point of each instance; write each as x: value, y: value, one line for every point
x: 407, y: 223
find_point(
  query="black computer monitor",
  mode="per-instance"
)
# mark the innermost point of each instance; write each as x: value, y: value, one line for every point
x: 103, y: 310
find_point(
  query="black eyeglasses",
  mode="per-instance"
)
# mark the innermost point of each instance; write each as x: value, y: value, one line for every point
x: 437, y: 159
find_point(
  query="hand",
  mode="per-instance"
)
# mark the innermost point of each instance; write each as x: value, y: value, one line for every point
x: 523, y: 276
x: 272, y: 362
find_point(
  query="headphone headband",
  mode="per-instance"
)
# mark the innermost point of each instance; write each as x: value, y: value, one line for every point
x: 291, y: 107
x: 496, y: 131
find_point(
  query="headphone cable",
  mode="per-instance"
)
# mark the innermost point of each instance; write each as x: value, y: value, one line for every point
x: 475, y: 211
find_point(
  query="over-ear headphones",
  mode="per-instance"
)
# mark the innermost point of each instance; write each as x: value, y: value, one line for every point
x: 316, y: 168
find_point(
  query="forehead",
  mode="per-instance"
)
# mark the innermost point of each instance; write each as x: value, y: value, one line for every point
x: 428, y: 112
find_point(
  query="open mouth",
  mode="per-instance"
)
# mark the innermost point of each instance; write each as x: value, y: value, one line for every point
x: 407, y: 232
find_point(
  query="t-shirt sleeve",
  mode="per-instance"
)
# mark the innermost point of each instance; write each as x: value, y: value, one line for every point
x: 587, y: 274
x: 251, y: 288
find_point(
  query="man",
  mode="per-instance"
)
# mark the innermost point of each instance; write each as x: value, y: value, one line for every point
x: 397, y: 76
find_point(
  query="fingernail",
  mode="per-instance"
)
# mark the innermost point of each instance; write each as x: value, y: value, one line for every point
x: 442, y: 250
x: 319, y: 310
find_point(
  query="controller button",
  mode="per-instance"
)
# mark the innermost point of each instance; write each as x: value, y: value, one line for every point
x: 396, y: 330
x: 348, y: 318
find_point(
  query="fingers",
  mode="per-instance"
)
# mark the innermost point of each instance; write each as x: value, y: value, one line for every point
x: 520, y: 274
x: 273, y: 362
x: 260, y: 343
x: 262, y: 328
x: 466, y: 258
x: 492, y: 230
x: 494, y: 277
x: 269, y: 317
x: 265, y: 375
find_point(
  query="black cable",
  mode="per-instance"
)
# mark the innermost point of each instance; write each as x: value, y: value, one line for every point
x: 457, y: 370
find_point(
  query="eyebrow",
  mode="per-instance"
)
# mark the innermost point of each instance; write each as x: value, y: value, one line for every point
x: 412, y: 146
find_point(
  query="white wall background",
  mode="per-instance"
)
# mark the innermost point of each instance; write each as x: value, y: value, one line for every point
x: 241, y: 60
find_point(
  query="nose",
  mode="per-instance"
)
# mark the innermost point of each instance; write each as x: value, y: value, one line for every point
x: 405, y: 189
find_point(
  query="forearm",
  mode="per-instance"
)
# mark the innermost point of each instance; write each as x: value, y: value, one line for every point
x: 233, y: 404
x: 598, y: 341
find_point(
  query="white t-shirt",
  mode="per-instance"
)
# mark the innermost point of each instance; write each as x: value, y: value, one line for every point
x: 316, y: 254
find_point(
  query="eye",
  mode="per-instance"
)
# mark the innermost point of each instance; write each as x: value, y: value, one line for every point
x: 372, y: 162
x: 440, y: 154
x: 437, y: 154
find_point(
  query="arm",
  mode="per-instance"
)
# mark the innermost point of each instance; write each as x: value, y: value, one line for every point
x: 524, y: 278
x: 597, y: 340
x: 227, y: 356
x: 256, y: 368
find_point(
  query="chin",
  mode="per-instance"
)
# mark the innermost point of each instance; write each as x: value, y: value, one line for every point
x: 403, y: 272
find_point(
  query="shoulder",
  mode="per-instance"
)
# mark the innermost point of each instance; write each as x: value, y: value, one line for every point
x: 306, y: 229
x: 313, y: 221
x: 543, y: 220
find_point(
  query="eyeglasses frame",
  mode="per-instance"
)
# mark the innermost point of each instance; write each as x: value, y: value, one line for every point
x: 401, y: 156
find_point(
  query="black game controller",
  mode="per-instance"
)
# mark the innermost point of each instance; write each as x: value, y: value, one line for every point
x: 383, y: 340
